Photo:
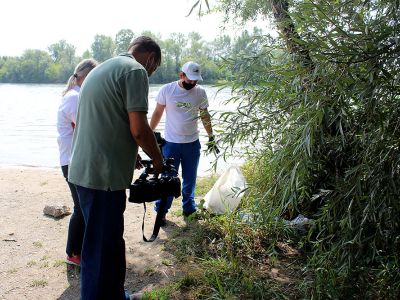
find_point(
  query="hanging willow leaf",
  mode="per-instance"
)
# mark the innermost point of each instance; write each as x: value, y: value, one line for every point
x: 193, y: 7
x: 208, y: 6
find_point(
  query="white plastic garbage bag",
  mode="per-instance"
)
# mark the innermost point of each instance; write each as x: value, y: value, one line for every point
x: 227, y: 192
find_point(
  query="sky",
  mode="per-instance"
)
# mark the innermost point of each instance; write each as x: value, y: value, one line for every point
x: 36, y: 24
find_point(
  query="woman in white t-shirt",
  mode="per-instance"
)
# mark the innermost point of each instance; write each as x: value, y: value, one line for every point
x: 66, y: 120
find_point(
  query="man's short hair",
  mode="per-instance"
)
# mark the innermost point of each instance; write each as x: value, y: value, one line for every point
x: 146, y: 44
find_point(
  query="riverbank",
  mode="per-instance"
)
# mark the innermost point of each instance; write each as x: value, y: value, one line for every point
x: 32, y: 245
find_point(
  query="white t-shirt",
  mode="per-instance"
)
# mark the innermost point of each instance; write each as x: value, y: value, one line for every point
x: 65, y: 117
x: 182, y: 111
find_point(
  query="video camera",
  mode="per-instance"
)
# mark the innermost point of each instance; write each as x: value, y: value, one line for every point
x: 148, y: 189
x: 158, y: 187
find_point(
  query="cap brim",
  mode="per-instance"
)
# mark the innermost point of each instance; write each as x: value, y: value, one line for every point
x: 194, y: 77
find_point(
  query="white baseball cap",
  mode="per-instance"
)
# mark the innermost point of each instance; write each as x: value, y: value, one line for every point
x: 192, y: 70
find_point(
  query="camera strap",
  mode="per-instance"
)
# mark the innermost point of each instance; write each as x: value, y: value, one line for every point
x: 157, y: 224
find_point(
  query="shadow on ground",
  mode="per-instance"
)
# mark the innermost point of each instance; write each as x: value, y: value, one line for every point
x: 73, y: 290
x: 156, y: 267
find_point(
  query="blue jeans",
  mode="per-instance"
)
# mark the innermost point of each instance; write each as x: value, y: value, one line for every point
x: 103, y: 262
x: 187, y: 156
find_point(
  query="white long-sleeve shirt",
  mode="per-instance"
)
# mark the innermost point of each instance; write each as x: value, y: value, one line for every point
x: 66, y: 119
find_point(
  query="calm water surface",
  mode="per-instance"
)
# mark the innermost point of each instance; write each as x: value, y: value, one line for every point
x: 28, y: 115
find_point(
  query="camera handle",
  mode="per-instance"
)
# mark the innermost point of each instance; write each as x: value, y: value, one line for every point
x: 147, y: 163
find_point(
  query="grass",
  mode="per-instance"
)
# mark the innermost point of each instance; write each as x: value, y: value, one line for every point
x: 167, y: 262
x: 211, y: 272
x: 45, y: 257
x: 39, y: 283
x: 38, y: 244
x: 157, y: 294
x: 31, y: 263
x: 59, y: 263
x: 224, y: 259
x: 204, y: 184
x: 149, y: 271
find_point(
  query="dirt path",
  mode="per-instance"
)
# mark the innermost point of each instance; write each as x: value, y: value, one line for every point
x: 32, y: 245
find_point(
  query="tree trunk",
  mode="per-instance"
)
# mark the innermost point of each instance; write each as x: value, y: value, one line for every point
x: 286, y: 26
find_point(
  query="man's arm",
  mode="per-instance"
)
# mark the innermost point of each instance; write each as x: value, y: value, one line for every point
x: 206, y: 120
x: 144, y: 137
x: 156, y: 117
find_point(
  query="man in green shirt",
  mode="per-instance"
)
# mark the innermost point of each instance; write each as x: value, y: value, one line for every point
x: 111, y: 124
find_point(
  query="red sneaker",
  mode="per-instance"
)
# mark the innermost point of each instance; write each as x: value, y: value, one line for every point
x: 74, y: 260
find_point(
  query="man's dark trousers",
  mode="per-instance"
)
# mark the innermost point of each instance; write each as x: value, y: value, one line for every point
x: 103, y: 262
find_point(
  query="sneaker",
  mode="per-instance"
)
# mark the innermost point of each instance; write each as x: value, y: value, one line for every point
x: 74, y: 260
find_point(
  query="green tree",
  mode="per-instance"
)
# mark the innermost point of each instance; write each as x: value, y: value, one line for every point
x: 9, y: 70
x: 176, y: 50
x: 197, y: 50
x: 102, y: 48
x: 155, y: 36
x: 247, y: 44
x: 64, y: 61
x: 175, y: 46
x: 86, y: 54
x: 33, y: 66
x: 62, y: 52
x: 221, y: 47
x: 196, y: 47
x: 171, y: 58
x: 122, y: 40
x: 318, y: 110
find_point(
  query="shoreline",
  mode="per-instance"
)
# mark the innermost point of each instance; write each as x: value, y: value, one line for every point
x: 201, y: 173
x: 13, y: 166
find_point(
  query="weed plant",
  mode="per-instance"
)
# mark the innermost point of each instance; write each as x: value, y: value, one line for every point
x: 223, y: 259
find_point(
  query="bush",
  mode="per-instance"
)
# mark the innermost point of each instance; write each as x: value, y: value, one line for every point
x: 321, y: 122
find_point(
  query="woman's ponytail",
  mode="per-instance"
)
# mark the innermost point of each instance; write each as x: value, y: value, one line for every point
x: 81, y: 70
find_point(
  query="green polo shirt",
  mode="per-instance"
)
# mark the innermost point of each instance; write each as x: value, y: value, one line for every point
x: 104, y: 151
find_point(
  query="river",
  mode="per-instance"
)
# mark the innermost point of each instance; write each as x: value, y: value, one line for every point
x: 28, y: 115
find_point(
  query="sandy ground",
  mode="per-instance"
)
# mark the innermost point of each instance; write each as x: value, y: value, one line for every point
x: 32, y: 245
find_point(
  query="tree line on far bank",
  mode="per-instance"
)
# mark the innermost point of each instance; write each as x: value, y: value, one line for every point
x: 57, y: 63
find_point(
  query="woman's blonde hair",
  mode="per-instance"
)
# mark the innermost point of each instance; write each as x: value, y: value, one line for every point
x: 81, y: 70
